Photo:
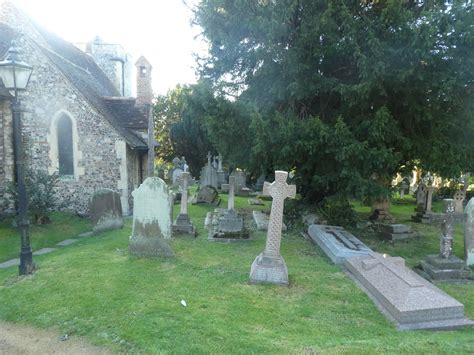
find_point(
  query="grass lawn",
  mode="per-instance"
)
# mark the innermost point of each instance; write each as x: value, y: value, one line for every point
x: 95, y: 289
x: 63, y: 226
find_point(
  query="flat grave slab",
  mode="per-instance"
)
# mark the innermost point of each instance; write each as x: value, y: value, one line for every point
x: 336, y: 242
x: 43, y: 251
x: 9, y: 263
x: 403, y: 296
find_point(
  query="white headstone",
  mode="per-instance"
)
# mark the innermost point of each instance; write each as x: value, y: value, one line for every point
x: 152, y: 219
x: 469, y: 233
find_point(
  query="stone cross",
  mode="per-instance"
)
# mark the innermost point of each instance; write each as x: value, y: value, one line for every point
x: 469, y: 233
x: 459, y: 198
x: 269, y: 266
x: 279, y: 190
x: 230, y: 202
x: 184, y: 193
x: 421, y: 195
x: 447, y: 227
x: 429, y: 198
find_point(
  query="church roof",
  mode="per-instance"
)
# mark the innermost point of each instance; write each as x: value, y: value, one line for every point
x: 90, y: 81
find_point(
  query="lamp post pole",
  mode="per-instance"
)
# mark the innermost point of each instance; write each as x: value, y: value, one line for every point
x: 15, y: 75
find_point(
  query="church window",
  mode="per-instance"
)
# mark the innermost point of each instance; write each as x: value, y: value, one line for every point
x: 65, y: 146
x: 142, y: 70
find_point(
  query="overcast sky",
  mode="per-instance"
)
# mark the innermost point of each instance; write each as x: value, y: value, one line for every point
x: 158, y: 29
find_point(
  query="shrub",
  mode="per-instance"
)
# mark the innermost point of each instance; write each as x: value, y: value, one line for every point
x: 338, y: 211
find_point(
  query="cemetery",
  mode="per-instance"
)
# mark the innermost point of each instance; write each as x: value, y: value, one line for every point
x: 302, y: 196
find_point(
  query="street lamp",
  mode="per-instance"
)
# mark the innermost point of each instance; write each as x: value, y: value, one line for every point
x: 15, y: 75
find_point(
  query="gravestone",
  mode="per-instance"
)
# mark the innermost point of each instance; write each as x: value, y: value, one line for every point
x: 269, y: 266
x: 446, y: 266
x: 424, y: 198
x: 459, y: 197
x: 469, y: 233
x: 395, y: 232
x: 183, y: 223
x: 403, y: 296
x: 152, y: 225
x: 381, y: 211
x: 175, y: 173
x: 208, y: 194
x: 337, y: 243
x: 241, y: 188
x: 403, y: 189
x: 209, y: 173
x: 228, y: 224
x: 105, y: 211
x: 221, y: 176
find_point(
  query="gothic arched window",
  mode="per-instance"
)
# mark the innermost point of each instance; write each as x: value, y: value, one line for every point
x: 65, y: 146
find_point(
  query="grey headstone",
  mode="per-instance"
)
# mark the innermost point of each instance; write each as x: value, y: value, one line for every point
x: 207, y: 194
x: 396, y: 232
x: 337, y: 243
x: 106, y: 211
x: 261, y: 220
x: 469, y: 233
x: 152, y: 222
x: 403, y: 296
x: 255, y: 202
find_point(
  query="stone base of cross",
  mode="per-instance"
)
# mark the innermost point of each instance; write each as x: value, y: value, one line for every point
x: 269, y: 266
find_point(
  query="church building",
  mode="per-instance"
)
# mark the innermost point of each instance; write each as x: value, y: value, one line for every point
x: 78, y: 117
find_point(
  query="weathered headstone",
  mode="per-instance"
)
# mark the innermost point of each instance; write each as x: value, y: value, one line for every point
x: 270, y: 266
x: 469, y: 233
x: 209, y: 173
x: 446, y: 266
x: 241, y: 188
x: 459, y: 197
x: 228, y: 224
x: 403, y: 296
x: 152, y: 225
x: 208, y: 194
x: 403, y: 189
x: 106, y: 211
x: 424, y: 198
x: 183, y: 223
x: 336, y: 242
x: 395, y: 232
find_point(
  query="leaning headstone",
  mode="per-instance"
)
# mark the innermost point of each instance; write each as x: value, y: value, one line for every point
x: 469, y: 233
x: 269, y: 266
x: 106, y: 211
x: 337, y: 243
x: 395, y: 232
x: 152, y: 225
x: 208, y: 194
x: 183, y: 223
x: 403, y: 296
x: 459, y: 197
x: 446, y: 266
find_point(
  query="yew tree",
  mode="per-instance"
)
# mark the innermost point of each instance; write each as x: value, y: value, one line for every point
x: 345, y: 93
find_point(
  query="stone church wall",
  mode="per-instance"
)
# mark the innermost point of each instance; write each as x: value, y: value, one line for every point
x: 49, y: 94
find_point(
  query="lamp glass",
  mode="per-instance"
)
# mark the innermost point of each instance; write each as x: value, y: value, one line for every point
x: 10, y: 70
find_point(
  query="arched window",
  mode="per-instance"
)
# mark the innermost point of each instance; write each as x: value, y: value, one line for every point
x: 65, y: 146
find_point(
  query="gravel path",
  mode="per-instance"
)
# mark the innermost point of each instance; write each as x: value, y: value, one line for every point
x: 17, y: 339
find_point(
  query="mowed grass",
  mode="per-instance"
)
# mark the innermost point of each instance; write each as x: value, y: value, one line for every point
x: 63, y: 226
x: 95, y: 289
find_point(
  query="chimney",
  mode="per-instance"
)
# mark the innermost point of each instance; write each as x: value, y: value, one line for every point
x: 144, y: 90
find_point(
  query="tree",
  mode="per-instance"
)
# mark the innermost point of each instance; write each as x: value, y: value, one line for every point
x: 347, y: 92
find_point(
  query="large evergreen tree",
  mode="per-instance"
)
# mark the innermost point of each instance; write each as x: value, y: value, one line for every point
x: 347, y: 92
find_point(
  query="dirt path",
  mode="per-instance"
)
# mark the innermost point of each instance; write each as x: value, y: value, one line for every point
x: 16, y: 339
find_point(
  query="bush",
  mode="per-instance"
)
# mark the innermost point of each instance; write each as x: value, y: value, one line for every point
x: 41, y: 189
x: 338, y: 211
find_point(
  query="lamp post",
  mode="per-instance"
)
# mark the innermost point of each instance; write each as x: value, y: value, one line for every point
x: 15, y: 75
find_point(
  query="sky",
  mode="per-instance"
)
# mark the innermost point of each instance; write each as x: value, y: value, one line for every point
x: 158, y: 29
